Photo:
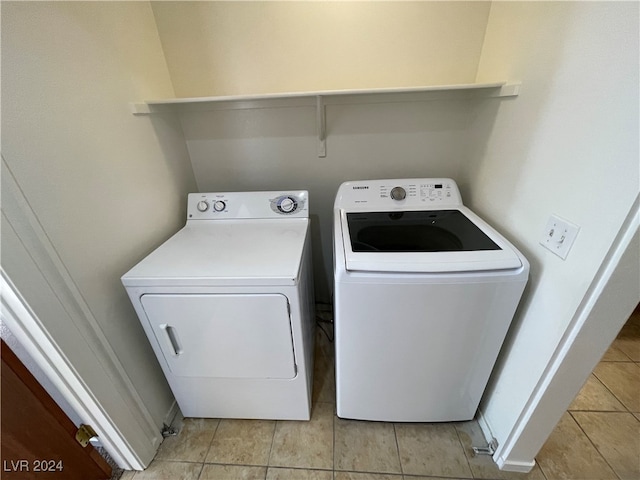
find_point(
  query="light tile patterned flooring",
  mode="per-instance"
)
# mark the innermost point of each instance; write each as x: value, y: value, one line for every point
x: 597, y: 439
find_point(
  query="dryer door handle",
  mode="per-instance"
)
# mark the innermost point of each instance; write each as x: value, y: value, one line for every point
x: 172, y: 337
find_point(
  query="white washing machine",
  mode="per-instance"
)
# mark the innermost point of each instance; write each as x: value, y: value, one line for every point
x: 425, y: 292
x: 227, y: 304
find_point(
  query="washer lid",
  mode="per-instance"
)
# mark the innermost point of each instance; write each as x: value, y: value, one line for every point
x: 452, y: 240
x: 416, y: 231
x: 226, y: 253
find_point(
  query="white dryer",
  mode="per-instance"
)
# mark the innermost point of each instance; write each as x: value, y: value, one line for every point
x: 227, y: 304
x: 425, y: 292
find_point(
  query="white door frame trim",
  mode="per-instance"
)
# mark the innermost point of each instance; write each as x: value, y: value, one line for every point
x: 601, y: 314
x: 29, y: 331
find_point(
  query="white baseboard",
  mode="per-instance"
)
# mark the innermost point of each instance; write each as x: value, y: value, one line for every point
x: 484, y: 426
x: 172, y: 414
x: 515, y: 466
x: 507, y: 466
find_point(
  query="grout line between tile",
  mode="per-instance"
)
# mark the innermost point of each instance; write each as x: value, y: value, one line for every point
x: 395, y: 434
x: 609, y: 390
x: 464, y: 450
x: 594, y: 445
x: 273, y: 437
x: 541, y: 470
x: 315, y: 469
x: 266, y: 469
x: 598, y: 411
x: 215, y: 431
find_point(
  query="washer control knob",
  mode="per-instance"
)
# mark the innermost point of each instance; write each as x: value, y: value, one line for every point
x: 202, y: 206
x: 398, y: 193
x: 287, y: 205
x: 219, y: 205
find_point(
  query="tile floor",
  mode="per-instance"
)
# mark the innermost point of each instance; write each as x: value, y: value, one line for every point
x: 597, y: 439
x: 599, y: 436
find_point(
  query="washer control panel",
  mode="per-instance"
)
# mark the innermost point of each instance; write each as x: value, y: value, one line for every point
x: 239, y: 205
x: 414, y: 192
x: 440, y: 192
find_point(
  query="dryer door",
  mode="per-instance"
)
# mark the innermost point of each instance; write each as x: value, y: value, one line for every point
x: 216, y: 335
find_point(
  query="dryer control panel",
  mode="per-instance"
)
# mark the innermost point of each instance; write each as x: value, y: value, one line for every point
x: 246, y: 205
x: 385, y: 194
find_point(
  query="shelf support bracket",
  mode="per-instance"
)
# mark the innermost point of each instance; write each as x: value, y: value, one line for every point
x: 139, y: 108
x: 321, y: 126
x: 508, y: 90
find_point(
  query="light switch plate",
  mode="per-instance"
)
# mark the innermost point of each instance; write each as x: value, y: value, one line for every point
x: 559, y: 235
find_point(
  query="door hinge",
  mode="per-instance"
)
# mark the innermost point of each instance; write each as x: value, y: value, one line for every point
x: 84, y: 434
x: 490, y: 449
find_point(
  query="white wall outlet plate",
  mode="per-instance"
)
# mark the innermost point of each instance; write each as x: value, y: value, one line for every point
x: 559, y: 235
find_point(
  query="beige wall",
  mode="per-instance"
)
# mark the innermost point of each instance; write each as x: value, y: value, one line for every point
x: 568, y: 145
x: 106, y: 187
x: 225, y: 48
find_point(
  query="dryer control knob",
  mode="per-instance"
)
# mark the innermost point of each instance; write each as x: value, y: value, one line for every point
x: 202, y: 206
x: 398, y: 193
x: 219, y: 205
x: 287, y: 205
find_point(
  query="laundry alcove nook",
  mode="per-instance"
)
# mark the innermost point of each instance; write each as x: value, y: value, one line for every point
x: 321, y: 138
x: 106, y: 186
